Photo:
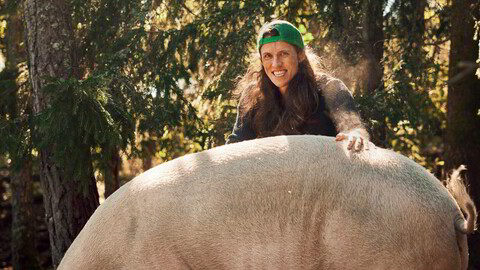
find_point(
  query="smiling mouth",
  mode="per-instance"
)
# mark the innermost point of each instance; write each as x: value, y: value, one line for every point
x: 279, y: 73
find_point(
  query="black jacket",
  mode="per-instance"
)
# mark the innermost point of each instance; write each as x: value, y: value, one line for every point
x: 336, y: 113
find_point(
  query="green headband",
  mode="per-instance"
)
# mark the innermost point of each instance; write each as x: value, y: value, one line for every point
x: 286, y: 32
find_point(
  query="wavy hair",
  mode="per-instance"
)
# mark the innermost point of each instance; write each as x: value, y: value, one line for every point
x: 261, y: 103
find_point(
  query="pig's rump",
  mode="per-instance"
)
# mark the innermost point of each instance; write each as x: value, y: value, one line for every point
x: 286, y: 202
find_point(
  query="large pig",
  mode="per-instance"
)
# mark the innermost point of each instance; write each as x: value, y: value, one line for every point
x: 286, y: 202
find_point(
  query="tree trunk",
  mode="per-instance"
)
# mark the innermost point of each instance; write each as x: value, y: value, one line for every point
x: 149, y: 149
x: 462, y: 139
x: 373, y: 43
x: 69, y: 201
x: 24, y: 253
x: 373, y: 52
x: 114, y: 163
x: 412, y: 20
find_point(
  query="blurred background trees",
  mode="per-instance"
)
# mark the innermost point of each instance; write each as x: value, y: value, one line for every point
x: 462, y: 134
x: 96, y: 91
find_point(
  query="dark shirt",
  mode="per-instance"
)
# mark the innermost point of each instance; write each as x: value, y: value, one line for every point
x: 336, y: 113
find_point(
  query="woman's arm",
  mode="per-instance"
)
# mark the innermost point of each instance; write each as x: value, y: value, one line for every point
x: 241, y: 130
x: 344, y: 114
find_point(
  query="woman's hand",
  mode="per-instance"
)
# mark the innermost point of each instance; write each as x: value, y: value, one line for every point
x: 355, y: 140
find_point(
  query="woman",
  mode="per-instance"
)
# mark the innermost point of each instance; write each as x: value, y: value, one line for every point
x: 286, y: 96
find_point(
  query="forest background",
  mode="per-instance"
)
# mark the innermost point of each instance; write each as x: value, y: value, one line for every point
x: 93, y: 92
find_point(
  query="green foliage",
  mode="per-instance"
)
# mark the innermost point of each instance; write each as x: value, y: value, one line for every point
x: 160, y: 74
x: 184, y: 55
x: 14, y: 129
x: 418, y: 121
x: 82, y: 115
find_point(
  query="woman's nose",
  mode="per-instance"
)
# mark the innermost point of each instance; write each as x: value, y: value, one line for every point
x: 277, y: 62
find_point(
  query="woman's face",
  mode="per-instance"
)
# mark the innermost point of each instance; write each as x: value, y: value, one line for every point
x: 280, y: 61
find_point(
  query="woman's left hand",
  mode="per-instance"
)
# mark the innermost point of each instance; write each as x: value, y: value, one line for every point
x: 355, y: 140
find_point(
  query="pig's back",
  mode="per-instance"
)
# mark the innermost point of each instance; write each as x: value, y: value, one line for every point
x: 288, y: 202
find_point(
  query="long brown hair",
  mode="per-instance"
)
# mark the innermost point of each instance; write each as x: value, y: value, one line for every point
x: 267, y: 111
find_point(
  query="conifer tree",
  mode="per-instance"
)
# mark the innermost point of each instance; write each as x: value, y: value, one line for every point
x: 68, y: 183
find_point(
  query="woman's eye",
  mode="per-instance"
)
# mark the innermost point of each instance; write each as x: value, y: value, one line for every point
x: 266, y: 56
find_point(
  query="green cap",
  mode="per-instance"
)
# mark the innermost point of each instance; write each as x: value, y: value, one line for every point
x: 286, y: 32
